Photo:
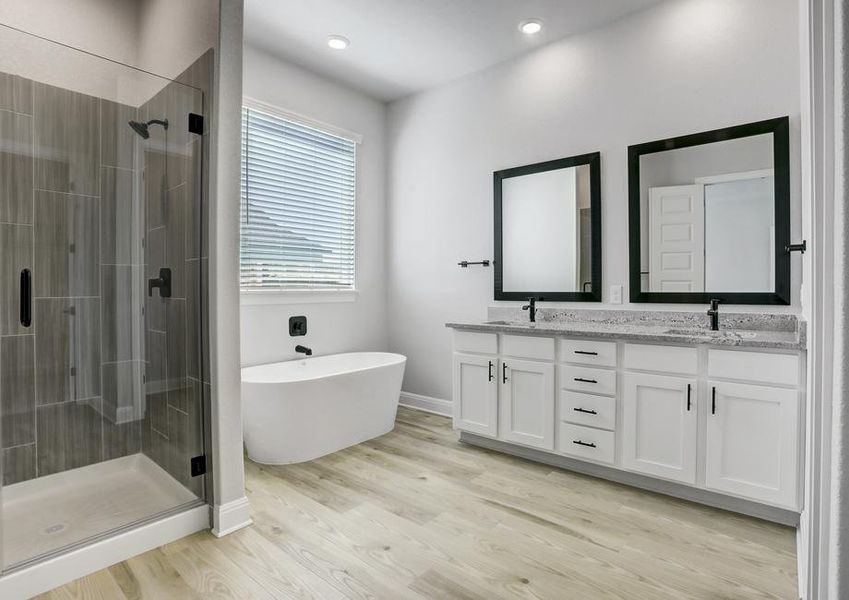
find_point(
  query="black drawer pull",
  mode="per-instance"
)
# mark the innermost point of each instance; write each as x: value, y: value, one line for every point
x: 713, y: 400
x: 503, y: 372
x: 26, y: 298
x: 490, y: 370
x: 581, y: 379
x: 585, y: 352
x: 585, y: 410
x: 688, y: 397
x: 587, y: 444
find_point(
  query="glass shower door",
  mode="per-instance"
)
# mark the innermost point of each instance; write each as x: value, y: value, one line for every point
x: 101, y: 393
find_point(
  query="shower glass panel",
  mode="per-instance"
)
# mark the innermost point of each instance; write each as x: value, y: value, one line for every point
x: 101, y: 297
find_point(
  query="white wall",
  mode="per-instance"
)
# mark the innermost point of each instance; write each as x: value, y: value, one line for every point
x: 360, y: 324
x: 664, y: 72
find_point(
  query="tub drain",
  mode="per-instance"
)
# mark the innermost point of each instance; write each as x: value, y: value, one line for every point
x: 54, y: 528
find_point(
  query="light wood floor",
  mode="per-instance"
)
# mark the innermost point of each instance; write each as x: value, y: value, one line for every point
x: 415, y: 514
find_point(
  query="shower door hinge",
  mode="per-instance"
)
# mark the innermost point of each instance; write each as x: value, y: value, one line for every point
x: 196, y: 123
x: 199, y: 465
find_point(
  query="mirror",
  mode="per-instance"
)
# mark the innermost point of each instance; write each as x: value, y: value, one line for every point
x: 710, y: 216
x: 548, y: 230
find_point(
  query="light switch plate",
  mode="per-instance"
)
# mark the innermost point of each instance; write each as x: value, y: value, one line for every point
x: 616, y: 294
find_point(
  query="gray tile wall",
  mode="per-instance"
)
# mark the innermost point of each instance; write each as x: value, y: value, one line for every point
x: 105, y: 371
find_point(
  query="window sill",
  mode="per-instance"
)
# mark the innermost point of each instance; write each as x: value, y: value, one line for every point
x: 271, y: 297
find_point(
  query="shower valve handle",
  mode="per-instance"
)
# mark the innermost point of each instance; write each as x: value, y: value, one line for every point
x: 163, y: 282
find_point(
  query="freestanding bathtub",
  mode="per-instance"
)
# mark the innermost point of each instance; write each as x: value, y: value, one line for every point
x: 301, y: 409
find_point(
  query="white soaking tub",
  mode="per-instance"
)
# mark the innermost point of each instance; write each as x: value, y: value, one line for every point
x: 299, y: 410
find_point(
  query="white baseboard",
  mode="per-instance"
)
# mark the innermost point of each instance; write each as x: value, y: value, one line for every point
x: 51, y: 573
x: 231, y: 516
x: 436, y: 406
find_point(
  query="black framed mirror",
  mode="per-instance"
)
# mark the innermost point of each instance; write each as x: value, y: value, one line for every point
x: 548, y: 230
x: 709, y: 216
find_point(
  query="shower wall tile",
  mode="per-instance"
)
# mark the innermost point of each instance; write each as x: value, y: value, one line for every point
x: 175, y: 239
x: 185, y: 441
x: 17, y: 390
x: 155, y: 184
x: 18, y: 464
x: 194, y: 197
x: 155, y: 445
x: 70, y: 435
x: 67, y: 245
x: 117, y: 140
x: 120, y: 310
x: 121, y: 391
x: 155, y: 362
x: 121, y: 439
x: 16, y: 175
x: 67, y: 337
x: 15, y: 94
x: 15, y: 255
x: 193, y: 318
x: 157, y: 404
x: 175, y: 339
x: 118, y: 231
x: 67, y: 140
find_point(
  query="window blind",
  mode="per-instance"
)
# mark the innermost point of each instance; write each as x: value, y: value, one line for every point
x: 297, y: 205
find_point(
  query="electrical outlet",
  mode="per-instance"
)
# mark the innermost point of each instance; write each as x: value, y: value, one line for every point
x: 616, y: 294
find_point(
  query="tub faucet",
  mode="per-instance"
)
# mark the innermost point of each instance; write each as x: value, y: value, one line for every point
x: 303, y: 350
x: 713, y: 313
x: 531, y: 307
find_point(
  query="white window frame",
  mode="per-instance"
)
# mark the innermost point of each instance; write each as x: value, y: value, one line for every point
x: 261, y: 297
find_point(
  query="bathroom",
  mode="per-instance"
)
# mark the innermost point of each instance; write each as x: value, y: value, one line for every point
x: 423, y: 299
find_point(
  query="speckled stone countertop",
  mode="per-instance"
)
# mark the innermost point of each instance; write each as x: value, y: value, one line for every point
x: 743, y: 330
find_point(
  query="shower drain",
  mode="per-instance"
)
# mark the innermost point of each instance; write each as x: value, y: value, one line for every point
x: 54, y: 528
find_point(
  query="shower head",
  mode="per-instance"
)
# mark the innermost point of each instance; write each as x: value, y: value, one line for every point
x: 142, y: 128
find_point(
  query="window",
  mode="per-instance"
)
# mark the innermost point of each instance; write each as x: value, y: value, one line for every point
x: 297, y: 206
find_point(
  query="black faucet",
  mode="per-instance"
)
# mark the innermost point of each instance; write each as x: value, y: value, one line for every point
x: 532, y: 307
x: 713, y: 313
x: 303, y: 350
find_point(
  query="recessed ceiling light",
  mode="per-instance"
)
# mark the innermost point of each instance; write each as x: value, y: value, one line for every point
x: 530, y: 26
x: 337, y: 42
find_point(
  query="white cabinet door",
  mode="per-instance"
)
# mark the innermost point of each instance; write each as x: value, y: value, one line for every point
x: 659, y: 428
x: 527, y: 402
x: 476, y: 394
x: 752, y: 442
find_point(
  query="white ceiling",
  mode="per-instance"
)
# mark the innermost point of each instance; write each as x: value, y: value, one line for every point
x: 403, y: 46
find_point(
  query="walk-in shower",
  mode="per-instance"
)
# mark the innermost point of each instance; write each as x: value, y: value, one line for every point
x: 102, y: 376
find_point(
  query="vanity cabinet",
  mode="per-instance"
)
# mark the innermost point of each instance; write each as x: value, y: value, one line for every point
x: 476, y: 394
x: 659, y: 428
x: 527, y: 402
x: 726, y: 421
x: 752, y: 441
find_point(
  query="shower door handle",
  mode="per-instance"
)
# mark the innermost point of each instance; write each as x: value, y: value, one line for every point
x: 163, y: 282
x: 26, y: 298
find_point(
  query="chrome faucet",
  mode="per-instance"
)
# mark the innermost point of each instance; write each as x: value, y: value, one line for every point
x: 713, y: 313
x: 303, y: 350
x: 531, y: 306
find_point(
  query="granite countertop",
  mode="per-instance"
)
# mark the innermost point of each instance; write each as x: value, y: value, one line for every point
x: 653, y: 326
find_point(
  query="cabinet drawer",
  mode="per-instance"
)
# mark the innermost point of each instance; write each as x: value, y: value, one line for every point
x: 665, y: 359
x: 476, y: 342
x: 586, y: 409
x: 586, y: 442
x: 587, y: 379
x: 588, y: 352
x: 781, y: 369
x: 525, y: 346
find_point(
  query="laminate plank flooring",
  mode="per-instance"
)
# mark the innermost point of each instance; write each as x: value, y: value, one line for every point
x: 415, y: 514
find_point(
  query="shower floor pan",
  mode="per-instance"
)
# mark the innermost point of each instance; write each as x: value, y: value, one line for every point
x: 44, y: 515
